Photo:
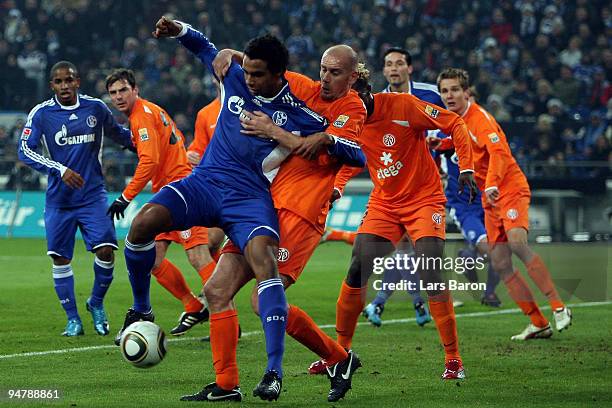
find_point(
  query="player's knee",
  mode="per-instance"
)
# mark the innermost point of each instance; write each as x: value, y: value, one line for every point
x: 502, y: 265
x: 150, y: 221
x: 355, y: 277
x: 216, y: 296
x: 105, y: 254
x: 60, y: 260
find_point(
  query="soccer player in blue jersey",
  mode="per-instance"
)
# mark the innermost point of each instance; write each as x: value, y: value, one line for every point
x: 70, y: 127
x: 230, y: 188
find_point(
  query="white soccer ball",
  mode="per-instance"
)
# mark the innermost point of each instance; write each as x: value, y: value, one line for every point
x: 143, y: 344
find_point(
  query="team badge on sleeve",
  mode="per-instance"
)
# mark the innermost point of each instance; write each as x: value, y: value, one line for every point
x: 25, y: 135
x: 144, y: 135
x: 431, y: 111
x: 493, y: 137
x: 341, y: 121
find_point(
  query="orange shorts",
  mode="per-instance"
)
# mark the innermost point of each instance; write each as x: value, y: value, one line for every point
x: 188, y: 239
x: 427, y: 220
x: 299, y: 239
x: 509, y: 212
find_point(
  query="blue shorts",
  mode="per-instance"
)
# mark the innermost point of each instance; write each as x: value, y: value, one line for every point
x: 198, y: 200
x: 96, y: 227
x: 469, y: 218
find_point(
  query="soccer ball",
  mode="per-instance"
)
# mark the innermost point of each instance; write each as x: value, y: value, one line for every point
x: 143, y: 344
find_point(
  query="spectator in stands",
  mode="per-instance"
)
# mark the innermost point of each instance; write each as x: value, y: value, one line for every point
x: 550, y: 20
x: 588, y: 134
x: 566, y: 87
x: 496, y: 107
x: 572, y: 55
x: 23, y: 177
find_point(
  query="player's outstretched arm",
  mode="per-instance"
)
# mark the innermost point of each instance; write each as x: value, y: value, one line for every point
x: 191, y: 39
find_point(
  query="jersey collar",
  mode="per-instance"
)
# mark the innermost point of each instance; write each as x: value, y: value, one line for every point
x: 467, y: 109
x: 70, y: 107
x: 268, y: 100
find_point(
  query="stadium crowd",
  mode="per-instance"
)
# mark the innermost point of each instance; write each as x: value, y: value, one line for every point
x: 542, y: 67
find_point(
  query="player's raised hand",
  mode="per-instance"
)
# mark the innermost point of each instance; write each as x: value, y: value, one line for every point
x: 166, y: 28
x: 467, y: 179
x: 73, y: 179
x: 492, y: 194
x: 117, y: 208
x: 256, y: 124
x: 222, y: 62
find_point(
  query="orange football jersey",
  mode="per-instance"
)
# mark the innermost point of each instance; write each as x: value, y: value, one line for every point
x: 205, y: 124
x: 304, y: 186
x: 398, y: 157
x: 495, y: 165
x: 162, y: 157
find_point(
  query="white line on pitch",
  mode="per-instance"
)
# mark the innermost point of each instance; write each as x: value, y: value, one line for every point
x: 325, y: 326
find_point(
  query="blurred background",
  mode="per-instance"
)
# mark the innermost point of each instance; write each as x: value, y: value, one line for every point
x: 541, y: 67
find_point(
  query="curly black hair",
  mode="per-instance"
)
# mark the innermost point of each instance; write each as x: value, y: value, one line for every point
x: 270, y: 49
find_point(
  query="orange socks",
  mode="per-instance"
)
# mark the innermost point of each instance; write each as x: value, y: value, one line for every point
x: 223, y: 344
x: 206, y: 271
x: 520, y: 293
x: 169, y: 276
x: 339, y: 235
x: 301, y: 327
x: 348, y: 308
x: 541, y: 276
x: 443, y: 313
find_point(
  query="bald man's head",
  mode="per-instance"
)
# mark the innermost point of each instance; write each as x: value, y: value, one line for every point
x: 345, y: 54
x: 338, y: 71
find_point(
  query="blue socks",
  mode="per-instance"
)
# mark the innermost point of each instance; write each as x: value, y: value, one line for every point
x: 139, y: 259
x: 103, y: 276
x: 63, y: 279
x: 273, y: 314
x: 492, y: 280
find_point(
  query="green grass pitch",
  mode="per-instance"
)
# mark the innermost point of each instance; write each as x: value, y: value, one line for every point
x: 402, y: 362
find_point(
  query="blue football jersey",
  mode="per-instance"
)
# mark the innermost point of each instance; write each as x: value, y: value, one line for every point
x: 423, y: 91
x: 56, y: 137
x: 247, y: 163
x: 451, y: 167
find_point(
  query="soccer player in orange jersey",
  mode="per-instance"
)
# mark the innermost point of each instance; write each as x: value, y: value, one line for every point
x: 407, y: 198
x: 505, y: 198
x: 161, y: 159
x: 205, y: 124
x: 301, y: 192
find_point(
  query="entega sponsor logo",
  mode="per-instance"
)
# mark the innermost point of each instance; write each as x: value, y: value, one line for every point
x: 390, y: 171
x: 62, y: 138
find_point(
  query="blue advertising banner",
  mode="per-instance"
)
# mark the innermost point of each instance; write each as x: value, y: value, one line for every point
x: 26, y: 218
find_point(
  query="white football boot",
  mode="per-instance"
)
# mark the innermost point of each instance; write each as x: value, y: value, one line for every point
x: 534, y: 332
